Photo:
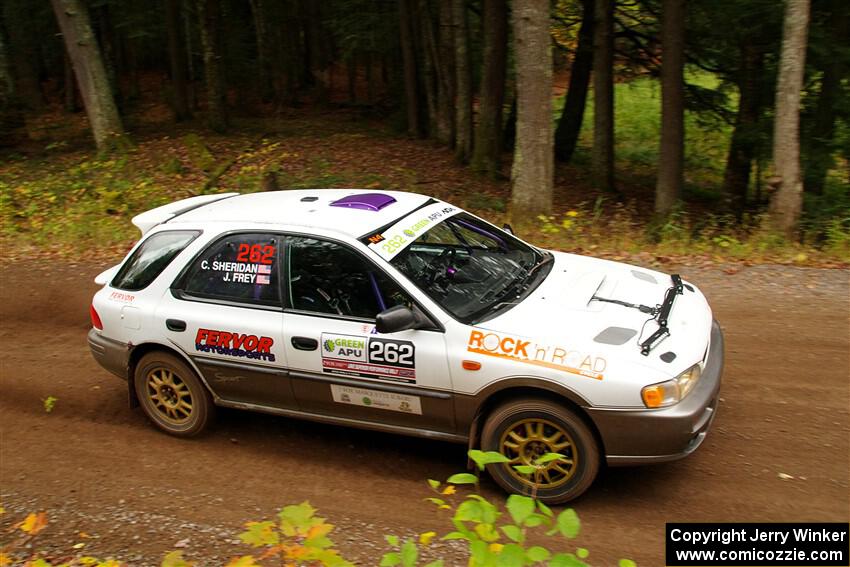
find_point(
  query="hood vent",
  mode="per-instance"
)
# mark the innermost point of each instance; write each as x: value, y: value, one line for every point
x: 365, y: 201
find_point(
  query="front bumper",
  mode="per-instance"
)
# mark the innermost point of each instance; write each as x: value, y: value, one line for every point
x: 633, y: 437
x: 112, y: 355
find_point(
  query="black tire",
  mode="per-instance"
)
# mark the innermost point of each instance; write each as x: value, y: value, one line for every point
x: 547, y: 426
x: 164, y: 384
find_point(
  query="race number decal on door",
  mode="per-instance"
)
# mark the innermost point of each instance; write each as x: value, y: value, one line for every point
x: 369, y: 357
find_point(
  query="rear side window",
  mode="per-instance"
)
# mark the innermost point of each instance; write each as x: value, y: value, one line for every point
x: 151, y: 258
x: 239, y: 267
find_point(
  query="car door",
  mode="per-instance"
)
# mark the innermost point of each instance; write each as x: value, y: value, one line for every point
x: 225, y: 313
x: 339, y: 365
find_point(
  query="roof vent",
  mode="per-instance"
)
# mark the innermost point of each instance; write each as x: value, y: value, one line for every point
x: 309, y: 199
x: 365, y: 201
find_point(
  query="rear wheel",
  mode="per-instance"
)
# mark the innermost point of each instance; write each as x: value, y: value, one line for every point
x: 171, y: 395
x: 523, y: 430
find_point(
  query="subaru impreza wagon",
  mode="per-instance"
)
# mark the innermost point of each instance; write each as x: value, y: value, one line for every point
x: 397, y: 312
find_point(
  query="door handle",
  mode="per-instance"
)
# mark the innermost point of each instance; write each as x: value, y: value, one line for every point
x: 175, y: 325
x: 305, y: 343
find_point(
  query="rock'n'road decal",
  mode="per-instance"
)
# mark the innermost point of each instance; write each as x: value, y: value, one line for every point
x: 501, y: 345
x: 369, y: 357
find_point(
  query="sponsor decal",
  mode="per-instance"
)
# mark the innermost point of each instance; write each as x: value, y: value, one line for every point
x: 375, y: 238
x: 240, y: 272
x: 238, y: 345
x: 404, y: 232
x: 375, y: 399
x: 539, y: 354
x: 122, y: 297
x: 257, y: 253
x: 369, y: 357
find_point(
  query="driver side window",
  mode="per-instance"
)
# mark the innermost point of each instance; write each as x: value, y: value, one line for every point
x: 326, y: 277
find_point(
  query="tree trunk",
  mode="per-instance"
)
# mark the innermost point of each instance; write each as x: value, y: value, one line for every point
x: 742, y: 146
x: 209, y: 15
x: 533, y: 167
x: 177, y: 61
x: 509, y: 135
x: 91, y: 76
x: 69, y: 85
x: 446, y: 96
x: 429, y: 63
x: 317, y: 52
x: 603, y: 96
x: 671, y: 158
x: 22, y: 39
x: 263, y: 63
x: 463, y: 81
x: 820, y: 146
x: 411, y: 91
x: 787, y: 203
x: 569, y: 126
x: 10, y: 111
x: 442, y: 107
x: 487, y: 155
x: 370, y: 78
x: 108, y: 42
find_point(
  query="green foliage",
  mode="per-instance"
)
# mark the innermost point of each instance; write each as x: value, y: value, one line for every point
x: 493, y: 536
x: 49, y: 403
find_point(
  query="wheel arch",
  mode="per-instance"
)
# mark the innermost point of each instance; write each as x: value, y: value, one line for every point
x: 141, y: 350
x: 496, y: 394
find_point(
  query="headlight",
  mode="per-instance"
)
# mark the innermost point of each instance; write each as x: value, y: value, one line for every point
x: 672, y: 391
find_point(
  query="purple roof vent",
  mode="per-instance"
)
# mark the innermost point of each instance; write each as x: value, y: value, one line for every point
x: 365, y: 201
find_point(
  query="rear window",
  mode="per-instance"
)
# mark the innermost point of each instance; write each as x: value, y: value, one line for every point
x: 151, y: 258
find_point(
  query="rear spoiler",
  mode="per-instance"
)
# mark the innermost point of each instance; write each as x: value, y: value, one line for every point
x: 149, y: 219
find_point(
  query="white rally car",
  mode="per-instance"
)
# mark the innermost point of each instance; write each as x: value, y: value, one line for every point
x: 397, y: 312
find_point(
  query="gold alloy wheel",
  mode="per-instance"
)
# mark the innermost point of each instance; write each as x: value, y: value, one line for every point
x: 169, y: 395
x: 529, y: 439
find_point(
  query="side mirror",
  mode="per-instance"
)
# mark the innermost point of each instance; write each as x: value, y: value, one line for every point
x: 396, y: 318
x: 508, y: 228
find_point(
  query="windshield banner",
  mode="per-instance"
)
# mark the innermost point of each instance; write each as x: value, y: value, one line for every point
x: 399, y: 236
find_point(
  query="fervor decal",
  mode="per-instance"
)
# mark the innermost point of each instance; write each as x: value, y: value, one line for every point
x: 369, y: 357
x: 239, y: 345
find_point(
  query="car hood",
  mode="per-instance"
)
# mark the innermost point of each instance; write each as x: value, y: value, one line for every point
x: 566, y: 328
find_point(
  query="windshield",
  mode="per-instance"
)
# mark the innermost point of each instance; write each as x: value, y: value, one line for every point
x: 470, y: 268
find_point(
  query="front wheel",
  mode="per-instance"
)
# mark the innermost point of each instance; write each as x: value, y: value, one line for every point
x: 523, y: 430
x: 171, y: 395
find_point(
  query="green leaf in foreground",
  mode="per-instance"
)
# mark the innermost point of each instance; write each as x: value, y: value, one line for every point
x: 568, y: 523
x: 520, y: 507
x: 462, y: 478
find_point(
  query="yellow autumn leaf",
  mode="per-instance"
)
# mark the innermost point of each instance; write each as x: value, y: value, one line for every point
x: 449, y: 490
x: 244, y: 561
x: 425, y: 539
x: 2, y: 510
x: 319, y: 530
x: 4, y: 560
x: 34, y: 523
x: 78, y: 545
x: 496, y: 547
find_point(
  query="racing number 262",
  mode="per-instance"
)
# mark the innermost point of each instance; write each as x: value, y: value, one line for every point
x: 256, y: 253
x: 399, y: 354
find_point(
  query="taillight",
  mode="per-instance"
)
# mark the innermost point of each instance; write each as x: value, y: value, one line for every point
x: 95, y: 319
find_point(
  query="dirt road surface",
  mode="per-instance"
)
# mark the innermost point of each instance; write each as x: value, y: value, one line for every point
x: 779, y: 449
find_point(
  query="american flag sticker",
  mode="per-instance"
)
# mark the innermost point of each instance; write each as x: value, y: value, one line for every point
x: 263, y: 280
x: 263, y: 269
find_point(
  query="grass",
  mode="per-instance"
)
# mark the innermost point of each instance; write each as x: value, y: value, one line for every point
x: 637, y: 114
